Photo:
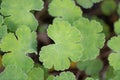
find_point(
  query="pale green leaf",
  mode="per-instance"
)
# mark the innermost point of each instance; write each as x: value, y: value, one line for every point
x: 114, y: 57
x: 65, y: 9
x: 117, y: 27
x: 114, y: 60
x: 13, y: 72
x: 18, y: 13
x: 114, y: 44
x: 67, y: 46
x: 25, y: 42
x: 87, y: 3
x: 93, y: 39
x: 36, y: 74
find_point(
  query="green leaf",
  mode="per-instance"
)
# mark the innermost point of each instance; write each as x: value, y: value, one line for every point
x: 50, y: 77
x: 112, y: 74
x: 117, y: 27
x: 87, y: 3
x: 92, y: 38
x: 114, y: 57
x: 18, y: 13
x: 36, y: 74
x: 118, y: 9
x: 3, y: 28
x: 89, y: 78
x: 113, y: 44
x: 91, y: 67
x: 13, y: 72
x: 114, y: 60
x: 67, y: 46
x: 69, y: 13
x: 108, y: 7
x: 63, y: 76
x: 25, y: 42
x: 109, y: 74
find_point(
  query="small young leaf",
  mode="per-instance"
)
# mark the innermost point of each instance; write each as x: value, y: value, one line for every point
x: 67, y: 46
x: 87, y: 3
x: 18, y: 13
x: 36, y: 74
x: 63, y: 76
x: 25, y: 42
x: 69, y: 13
x: 92, y: 39
x: 13, y: 72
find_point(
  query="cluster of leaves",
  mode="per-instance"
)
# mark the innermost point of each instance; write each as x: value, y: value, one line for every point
x: 76, y: 39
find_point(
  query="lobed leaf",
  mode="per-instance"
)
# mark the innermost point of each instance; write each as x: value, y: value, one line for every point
x: 114, y: 57
x: 67, y: 46
x: 93, y: 39
x: 18, y: 13
x: 24, y: 42
x: 69, y: 13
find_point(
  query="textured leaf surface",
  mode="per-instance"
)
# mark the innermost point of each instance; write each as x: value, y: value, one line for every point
x: 92, y: 39
x: 87, y: 3
x: 69, y: 13
x: 36, y: 74
x: 3, y: 28
x: 25, y: 42
x: 67, y: 46
x: 63, y: 76
x: 114, y: 58
x: 91, y: 67
x: 117, y: 27
x: 18, y: 13
x: 13, y: 72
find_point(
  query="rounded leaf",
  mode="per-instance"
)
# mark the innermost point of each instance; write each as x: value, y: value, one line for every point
x: 67, y: 46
